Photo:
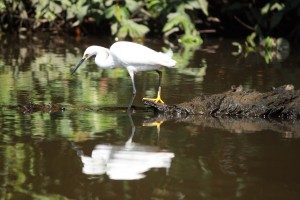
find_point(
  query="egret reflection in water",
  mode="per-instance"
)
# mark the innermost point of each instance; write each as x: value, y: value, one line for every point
x: 125, y: 162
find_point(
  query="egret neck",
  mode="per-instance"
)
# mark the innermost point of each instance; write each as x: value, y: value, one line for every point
x: 134, y: 58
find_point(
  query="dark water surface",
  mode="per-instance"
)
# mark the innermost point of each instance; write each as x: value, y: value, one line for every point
x: 87, y: 152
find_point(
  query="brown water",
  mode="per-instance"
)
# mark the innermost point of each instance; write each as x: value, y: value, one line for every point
x: 86, y: 152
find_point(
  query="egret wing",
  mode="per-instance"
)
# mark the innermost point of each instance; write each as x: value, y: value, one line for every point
x: 128, y: 53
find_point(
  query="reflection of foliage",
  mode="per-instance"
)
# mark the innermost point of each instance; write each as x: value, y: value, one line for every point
x: 269, y: 48
x: 261, y: 17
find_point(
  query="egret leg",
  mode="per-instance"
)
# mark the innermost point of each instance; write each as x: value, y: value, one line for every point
x: 131, y: 74
x: 130, y: 103
x: 158, y: 98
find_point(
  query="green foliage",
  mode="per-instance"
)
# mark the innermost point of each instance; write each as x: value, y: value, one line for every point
x: 180, y: 20
x: 135, y: 18
x: 122, y: 26
x: 127, y: 18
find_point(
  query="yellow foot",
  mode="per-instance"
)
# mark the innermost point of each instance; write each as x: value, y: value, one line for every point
x: 156, y: 100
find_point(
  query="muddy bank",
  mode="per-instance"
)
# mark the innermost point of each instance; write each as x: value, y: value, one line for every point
x: 282, y: 102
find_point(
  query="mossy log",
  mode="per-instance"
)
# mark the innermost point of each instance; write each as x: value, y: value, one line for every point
x: 281, y: 102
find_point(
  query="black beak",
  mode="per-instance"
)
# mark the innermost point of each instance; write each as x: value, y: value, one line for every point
x: 78, y: 65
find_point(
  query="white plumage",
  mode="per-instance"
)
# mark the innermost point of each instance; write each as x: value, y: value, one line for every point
x: 134, y: 57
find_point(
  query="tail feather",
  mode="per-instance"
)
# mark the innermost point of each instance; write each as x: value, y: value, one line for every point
x: 166, y: 59
x: 169, y: 53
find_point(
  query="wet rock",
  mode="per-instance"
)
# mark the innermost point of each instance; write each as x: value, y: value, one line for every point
x: 281, y: 102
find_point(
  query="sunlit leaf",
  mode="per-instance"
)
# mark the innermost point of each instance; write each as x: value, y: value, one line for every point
x: 109, y: 12
x: 114, y: 28
x: 80, y: 3
x: 82, y: 12
x: 50, y: 16
x: 109, y: 2
x: 204, y: 6
x: 66, y: 2
x: 133, y: 6
x: 2, y: 5
x: 277, y: 6
x: 76, y: 23
x: 23, y: 14
x: 55, y: 8
x: 265, y: 9
x: 71, y: 12
x: 152, y: 3
x: 250, y: 39
x: 124, y: 14
x: 173, y: 20
x: 123, y: 31
x: 137, y: 30
x: 133, y: 29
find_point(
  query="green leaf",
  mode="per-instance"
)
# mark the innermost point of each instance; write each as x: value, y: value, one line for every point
x: 194, y: 40
x: 123, y: 31
x: 109, y: 12
x: 2, y: 6
x: 114, y: 28
x: 71, y: 12
x: 66, y: 3
x: 133, y: 29
x: 153, y: 3
x: 276, y: 19
x: 250, y: 40
x: 76, y: 23
x: 23, y: 14
x: 204, y: 6
x: 55, y: 8
x: 50, y: 16
x: 137, y: 30
x: 277, y: 6
x: 133, y: 6
x: 265, y: 9
x: 173, y: 20
x: 82, y: 12
x: 109, y: 2
x: 80, y: 3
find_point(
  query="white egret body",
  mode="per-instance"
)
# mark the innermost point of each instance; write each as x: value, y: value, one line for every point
x: 134, y: 57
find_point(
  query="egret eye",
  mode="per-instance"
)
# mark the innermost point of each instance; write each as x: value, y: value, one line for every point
x: 86, y: 56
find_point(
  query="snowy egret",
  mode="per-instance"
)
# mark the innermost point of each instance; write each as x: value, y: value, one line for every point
x: 134, y: 57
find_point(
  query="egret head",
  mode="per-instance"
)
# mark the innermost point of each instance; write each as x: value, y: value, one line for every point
x: 89, y: 52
